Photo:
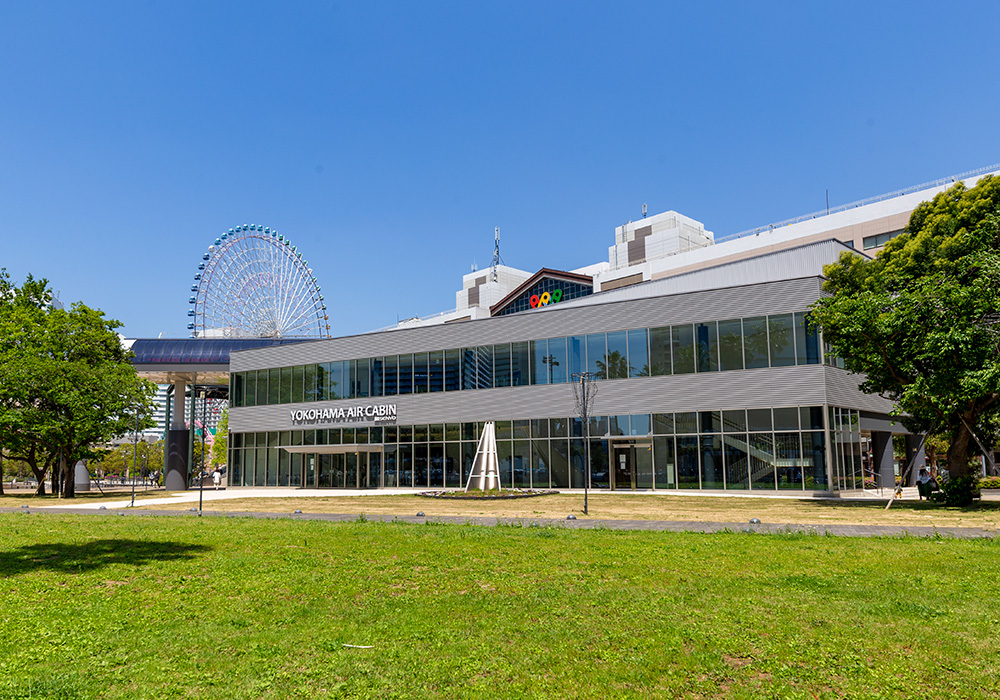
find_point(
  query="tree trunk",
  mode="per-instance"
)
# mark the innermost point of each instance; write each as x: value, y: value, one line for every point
x: 68, y: 469
x: 1, y: 473
x: 958, y: 452
x: 40, y: 478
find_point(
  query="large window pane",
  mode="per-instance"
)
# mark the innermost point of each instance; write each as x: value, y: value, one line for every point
x: 789, y: 456
x: 711, y: 462
x: 806, y: 341
x: 420, y: 373
x: 453, y: 465
x: 659, y: 351
x: 577, y: 345
x: 644, y: 467
x: 452, y: 370
x: 737, y: 465
x: 436, y: 371
x: 391, y: 371
x: 617, y: 361
x: 814, y: 457
x: 505, y: 457
x: 501, y: 365
x: 600, y: 474
x: 470, y: 369
x: 762, y: 469
x: 597, y: 355
x: 272, y: 388
x: 558, y: 361
x: 521, y: 464
x: 755, y: 342
x: 540, y: 464
x: 405, y: 374
x: 687, y: 462
x: 347, y: 387
x: 309, y: 383
x: 335, y: 382
x: 707, y: 346
x: 362, y: 378
x: 249, y: 389
x: 485, y: 367
x: 682, y: 349
x: 519, y: 364
x: 559, y: 456
x: 539, y: 362
x: 577, y: 463
x: 730, y: 344
x: 663, y: 463
x: 781, y: 340
x: 298, y: 384
x: 377, y: 377
x: 638, y: 353
x: 663, y: 423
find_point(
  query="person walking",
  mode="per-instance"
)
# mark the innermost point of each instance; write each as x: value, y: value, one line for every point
x: 216, y: 479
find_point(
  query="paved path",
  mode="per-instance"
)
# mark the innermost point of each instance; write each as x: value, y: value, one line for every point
x: 579, y: 523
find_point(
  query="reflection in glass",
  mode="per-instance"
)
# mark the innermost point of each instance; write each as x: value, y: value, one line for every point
x: 707, y: 346
x: 781, y: 340
x: 806, y: 341
x: 755, y: 342
x: 730, y: 345
x: 711, y: 462
x: 682, y: 349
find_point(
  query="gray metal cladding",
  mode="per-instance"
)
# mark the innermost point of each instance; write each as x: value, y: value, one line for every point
x: 707, y: 305
x: 842, y: 390
x: 801, y: 385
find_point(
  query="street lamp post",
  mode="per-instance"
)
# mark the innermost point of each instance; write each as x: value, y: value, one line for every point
x: 585, y: 392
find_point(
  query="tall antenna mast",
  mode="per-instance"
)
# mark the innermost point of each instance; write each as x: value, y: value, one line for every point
x: 497, y: 260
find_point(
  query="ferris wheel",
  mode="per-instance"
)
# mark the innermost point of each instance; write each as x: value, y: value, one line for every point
x: 253, y: 283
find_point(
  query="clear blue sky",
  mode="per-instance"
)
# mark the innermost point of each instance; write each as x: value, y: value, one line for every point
x: 387, y: 139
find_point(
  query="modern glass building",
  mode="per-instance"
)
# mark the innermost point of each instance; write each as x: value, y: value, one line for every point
x: 711, y: 380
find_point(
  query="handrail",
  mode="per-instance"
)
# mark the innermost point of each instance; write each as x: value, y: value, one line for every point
x: 861, y: 203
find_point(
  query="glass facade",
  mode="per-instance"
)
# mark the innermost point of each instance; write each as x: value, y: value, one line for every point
x: 715, y: 346
x: 780, y: 449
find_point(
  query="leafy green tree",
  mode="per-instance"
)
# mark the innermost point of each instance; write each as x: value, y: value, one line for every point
x: 921, y: 321
x: 66, y: 382
x: 220, y: 445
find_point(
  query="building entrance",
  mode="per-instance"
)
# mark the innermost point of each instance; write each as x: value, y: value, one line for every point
x: 631, y: 465
x: 342, y: 467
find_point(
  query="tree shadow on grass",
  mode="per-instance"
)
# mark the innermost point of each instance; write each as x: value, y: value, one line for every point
x: 89, y: 556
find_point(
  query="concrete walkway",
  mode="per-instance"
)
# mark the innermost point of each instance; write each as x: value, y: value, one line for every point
x: 121, y: 508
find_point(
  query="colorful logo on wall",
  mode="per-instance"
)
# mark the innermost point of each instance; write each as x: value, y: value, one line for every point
x: 545, y: 299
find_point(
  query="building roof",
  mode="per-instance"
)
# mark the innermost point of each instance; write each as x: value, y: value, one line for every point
x: 531, y: 281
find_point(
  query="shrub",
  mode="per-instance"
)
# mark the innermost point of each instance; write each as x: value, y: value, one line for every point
x: 989, y: 482
x: 959, y: 491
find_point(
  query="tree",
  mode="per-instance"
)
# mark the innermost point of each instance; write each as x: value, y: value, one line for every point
x: 66, y: 382
x: 922, y: 320
x: 219, y: 453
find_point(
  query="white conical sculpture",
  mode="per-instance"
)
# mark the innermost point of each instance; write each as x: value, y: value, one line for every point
x: 485, y: 473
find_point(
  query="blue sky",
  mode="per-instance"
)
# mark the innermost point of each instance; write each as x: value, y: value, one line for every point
x: 387, y: 139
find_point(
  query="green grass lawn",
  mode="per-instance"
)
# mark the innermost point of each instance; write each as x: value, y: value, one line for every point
x: 130, y: 607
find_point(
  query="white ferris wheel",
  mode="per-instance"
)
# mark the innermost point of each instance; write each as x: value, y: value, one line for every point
x: 253, y: 283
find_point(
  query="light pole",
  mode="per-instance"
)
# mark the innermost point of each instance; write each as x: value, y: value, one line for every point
x: 585, y: 391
